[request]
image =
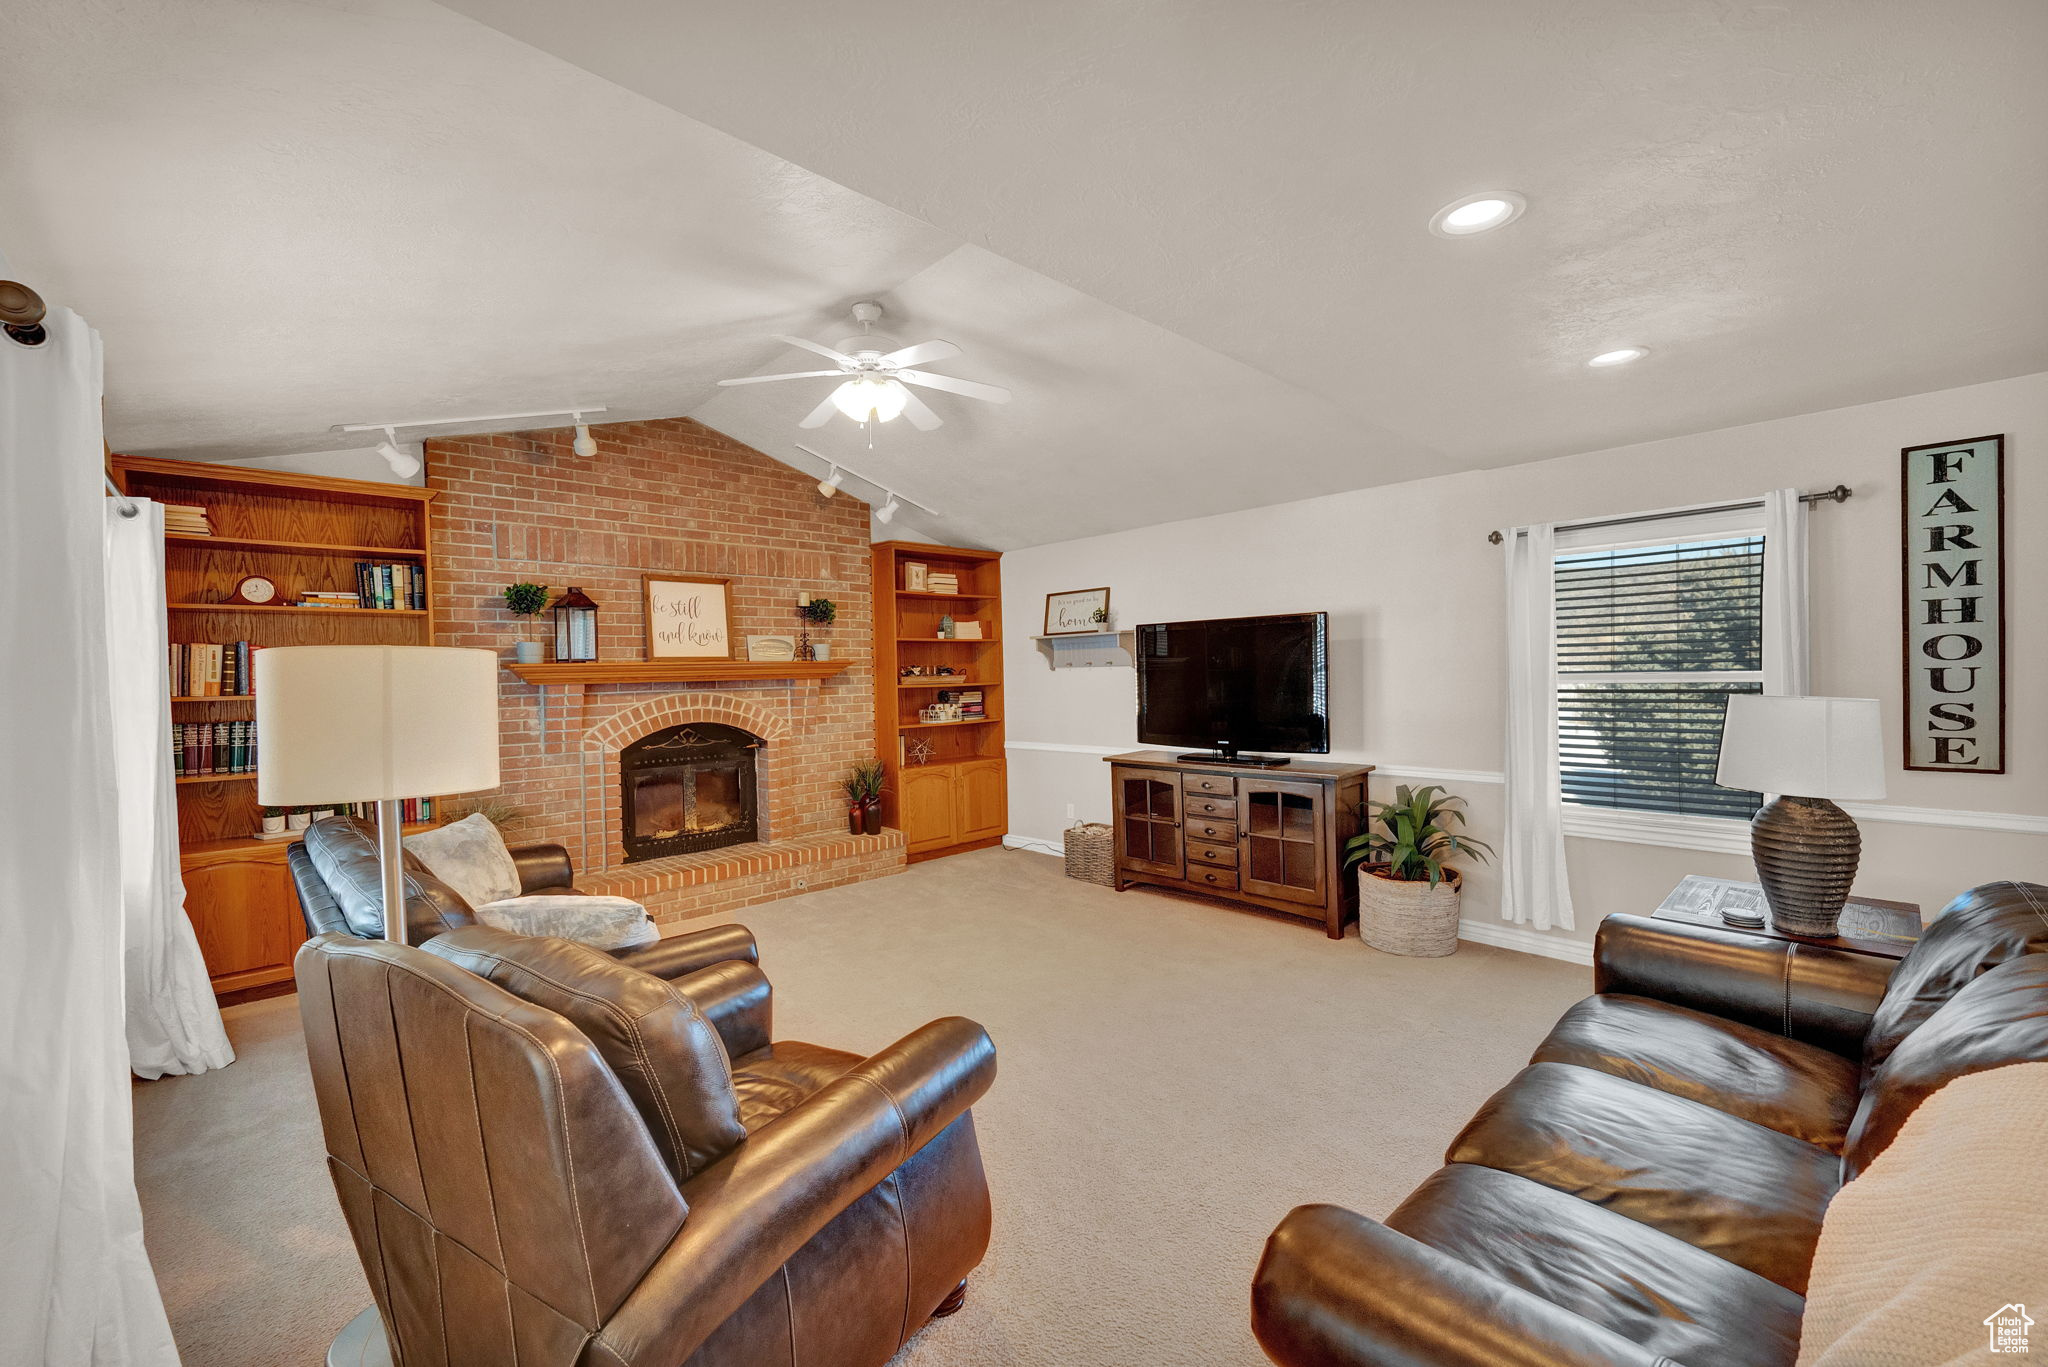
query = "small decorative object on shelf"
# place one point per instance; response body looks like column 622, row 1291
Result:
column 526, row 602
column 1407, row 896
column 819, row 611
column 914, row 576
column 256, row 590
column 946, row 627
column 1077, row 610
column 917, row 752
column 298, row 818
column 940, row 711
column 273, row 820
column 771, row 648
column 575, row 627
column 688, row 617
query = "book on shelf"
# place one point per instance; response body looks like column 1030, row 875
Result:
column 186, row 519
column 411, row 810
column 941, row 583
column 201, row 749
column 971, row 701
column 390, row 585
column 213, row 669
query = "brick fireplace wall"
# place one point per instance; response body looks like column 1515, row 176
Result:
column 670, row 496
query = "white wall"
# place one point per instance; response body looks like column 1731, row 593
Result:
column 355, row 463
column 1413, row 590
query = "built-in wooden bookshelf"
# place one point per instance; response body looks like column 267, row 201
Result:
column 304, row 533
column 957, row 797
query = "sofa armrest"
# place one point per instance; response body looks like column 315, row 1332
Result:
column 1336, row 1288
column 678, row 955
column 754, row 1208
column 1811, row 993
column 735, row 997
column 543, row 868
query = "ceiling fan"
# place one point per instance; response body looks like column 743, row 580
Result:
column 874, row 373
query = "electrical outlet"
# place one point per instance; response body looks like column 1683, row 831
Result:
column 803, row 882
column 1070, row 813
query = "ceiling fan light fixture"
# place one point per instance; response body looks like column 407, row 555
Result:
column 402, row 462
column 1479, row 213
column 870, row 397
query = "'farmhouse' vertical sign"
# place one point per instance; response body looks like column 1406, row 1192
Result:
column 1954, row 517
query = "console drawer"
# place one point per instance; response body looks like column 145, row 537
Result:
column 1225, row 807
column 1223, row 880
column 1221, row 856
column 1215, row 832
column 1218, row 784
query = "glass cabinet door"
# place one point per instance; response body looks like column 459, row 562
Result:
column 1148, row 821
column 1282, row 827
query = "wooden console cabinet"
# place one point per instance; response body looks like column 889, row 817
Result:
column 1273, row 838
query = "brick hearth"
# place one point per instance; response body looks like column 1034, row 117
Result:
column 675, row 497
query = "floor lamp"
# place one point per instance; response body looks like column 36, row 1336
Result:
column 375, row 724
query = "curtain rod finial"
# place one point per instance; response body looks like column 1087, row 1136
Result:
column 1493, row 537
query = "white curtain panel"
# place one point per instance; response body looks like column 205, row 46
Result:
column 1534, row 889
column 173, row 1023
column 75, row 1284
column 1785, row 655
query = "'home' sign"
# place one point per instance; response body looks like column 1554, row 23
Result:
column 1954, row 516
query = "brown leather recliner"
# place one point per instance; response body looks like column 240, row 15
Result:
column 549, row 1158
column 1649, row 1191
column 341, row 892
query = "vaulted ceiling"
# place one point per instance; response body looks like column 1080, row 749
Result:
column 1190, row 236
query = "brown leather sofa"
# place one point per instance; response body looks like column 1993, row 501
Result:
column 341, row 892
column 1649, row 1190
column 549, row 1158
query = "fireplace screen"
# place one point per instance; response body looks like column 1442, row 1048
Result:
column 687, row 788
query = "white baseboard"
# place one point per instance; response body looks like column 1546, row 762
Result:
column 1501, row 935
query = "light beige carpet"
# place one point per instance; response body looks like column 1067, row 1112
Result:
column 1174, row 1077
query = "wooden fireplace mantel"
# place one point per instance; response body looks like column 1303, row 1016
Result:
column 676, row 671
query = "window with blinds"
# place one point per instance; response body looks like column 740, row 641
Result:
column 1651, row 640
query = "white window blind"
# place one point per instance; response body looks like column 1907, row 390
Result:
column 1651, row 640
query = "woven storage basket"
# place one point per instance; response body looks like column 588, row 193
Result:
column 1091, row 854
column 1409, row 918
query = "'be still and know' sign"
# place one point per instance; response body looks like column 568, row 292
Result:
column 1955, row 606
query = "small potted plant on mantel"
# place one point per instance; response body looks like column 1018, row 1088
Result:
column 818, row 612
column 1407, row 893
column 863, row 785
column 526, row 602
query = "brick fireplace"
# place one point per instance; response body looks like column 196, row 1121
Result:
column 667, row 497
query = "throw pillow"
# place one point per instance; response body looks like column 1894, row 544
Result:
column 470, row 856
column 600, row 922
column 1934, row 1255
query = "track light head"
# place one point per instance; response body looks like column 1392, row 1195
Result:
column 402, row 462
column 830, row 485
column 585, row 445
column 887, row 512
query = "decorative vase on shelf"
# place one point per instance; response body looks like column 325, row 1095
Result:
column 821, row 650
column 298, row 821
column 273, row 824
column 527, row 652
column 856, row 818
column 871, row 816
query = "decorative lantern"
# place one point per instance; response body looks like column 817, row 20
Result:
column 575, row 627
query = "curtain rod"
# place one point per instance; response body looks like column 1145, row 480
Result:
column 128, row 506
column 1839, row 494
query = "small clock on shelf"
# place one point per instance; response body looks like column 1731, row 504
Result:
column 255, row 590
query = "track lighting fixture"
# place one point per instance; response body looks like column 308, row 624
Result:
column 892, row 502
column 830, row 485
column 585, row 444
column 402, row 462
column 887, row 512
column 405, row 465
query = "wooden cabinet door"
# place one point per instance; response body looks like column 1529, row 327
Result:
column 246, row 918
column 1281, row 827
column 1148, row 820
column 924, row 800
column 980, row 802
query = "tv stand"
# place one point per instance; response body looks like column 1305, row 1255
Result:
column 1197, row 823
column 1232, row 757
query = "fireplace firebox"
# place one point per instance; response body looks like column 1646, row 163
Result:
column 687, row 788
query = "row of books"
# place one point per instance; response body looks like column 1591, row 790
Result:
column 217, row 669
column 390, row 585
column 972, row 705
column 187, row 519
column 941, row 581
column 411, row 810
column 213, row 747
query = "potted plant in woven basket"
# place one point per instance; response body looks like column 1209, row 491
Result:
column 1407, row 895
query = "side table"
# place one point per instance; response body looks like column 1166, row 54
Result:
column 1884, row 930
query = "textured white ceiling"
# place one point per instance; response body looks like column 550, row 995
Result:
column 286, row 216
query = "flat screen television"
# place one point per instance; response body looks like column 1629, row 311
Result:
column 1236, row 684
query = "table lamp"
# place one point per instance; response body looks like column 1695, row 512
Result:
column 375, row 724
column 1807, row 751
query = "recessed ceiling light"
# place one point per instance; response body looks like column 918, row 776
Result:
column 1619, row 356
column 1478, row 214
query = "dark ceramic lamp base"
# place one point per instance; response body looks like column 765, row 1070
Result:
column 1806, row 850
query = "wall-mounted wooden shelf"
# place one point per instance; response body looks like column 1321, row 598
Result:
column 1088, row 649
column 218, row 778
column 675, row 671
column 294, row 607
column 948, row 681
column 251, row 543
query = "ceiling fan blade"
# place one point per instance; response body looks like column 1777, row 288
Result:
column 919, row 412
column 973, row 389
column 822, row 414
column 924, row 353
column 792, row 375
column 828, row 353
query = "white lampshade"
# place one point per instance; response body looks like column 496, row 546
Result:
column 871, row 395
column 1803, row 747
column 367, row 723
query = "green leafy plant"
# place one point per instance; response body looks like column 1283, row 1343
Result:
column 526, row 601
column 863, row 781
column 1411, row 835
column 819, row 610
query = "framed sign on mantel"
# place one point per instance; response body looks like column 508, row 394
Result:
column 688, row 618
column 1076, row 612
column 1953, row 516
